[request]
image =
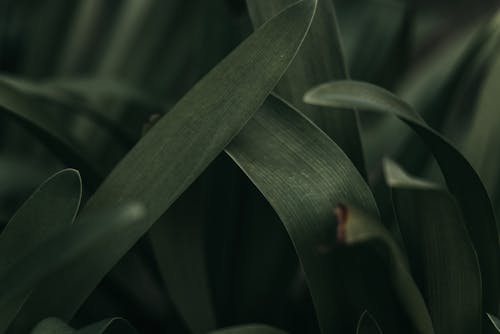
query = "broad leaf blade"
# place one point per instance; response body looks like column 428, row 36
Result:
column 303, row 174
column 181, row 145
column 462, row 180
column 52, row 326
column 320, row 59
column 441, row 254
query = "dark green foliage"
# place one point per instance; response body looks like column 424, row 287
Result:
column 231, row 181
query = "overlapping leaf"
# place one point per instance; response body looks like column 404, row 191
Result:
column 442, row 257
column 303, row 175
column 49, row 210
column 81, row 249
column 462, row 180
column 320, row 59
column 176, row 150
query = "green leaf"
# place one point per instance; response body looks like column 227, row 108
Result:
column 320, row 59
column 130, row 16
column 372, row 252
column 462, row 180
column 52, row 326
column 481, row 141
column 182, row 144
column 107, row 326
column 372, row 31
column 178, row 243
column 495, row 321
column 84, row 250
column 441, row 254
column 249, row 329
column 64, row 128
column 368, row 325
column 51, row 208
column 428, row 88
column 303, row 174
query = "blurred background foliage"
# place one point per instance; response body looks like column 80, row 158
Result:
column 92, row 57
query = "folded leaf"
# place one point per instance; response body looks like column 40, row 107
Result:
column 462, row 180
column 303, row 174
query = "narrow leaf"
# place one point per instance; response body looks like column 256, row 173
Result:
column 462, row 180
column 480, row 143
column 320, row 59
column 380, row 258
column 49, row 210
column 303, row 174
column 52, row 120
column 495, row 321
column 441, row 254
column 181, row 145
column 82, row 249
column 368, row 325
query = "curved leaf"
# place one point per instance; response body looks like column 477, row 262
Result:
column 368, row 325
column 303, row 174
column 49, row 210
column 82, row 250
column 495, row 321
column 441, row 254
column 183, row 142
column 66, row 129
column 320, row 59
column 380, row 262
column 52, row 326
column 108, row 326
column 462, row 180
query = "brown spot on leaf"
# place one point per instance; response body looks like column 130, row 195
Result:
column 341, row 213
